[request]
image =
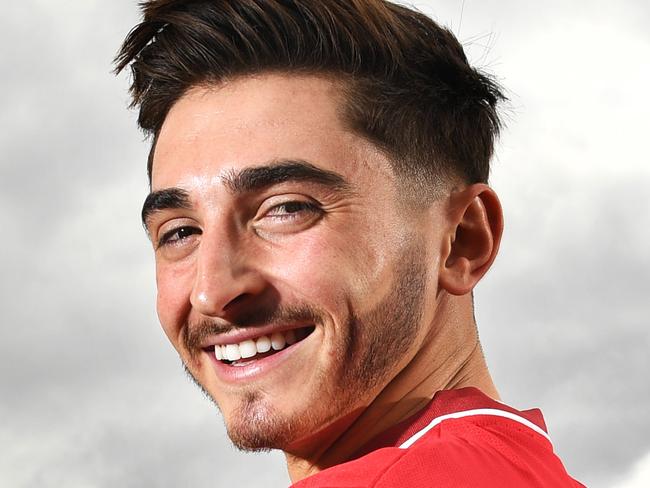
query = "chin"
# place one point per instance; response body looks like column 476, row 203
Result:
column 256, row 426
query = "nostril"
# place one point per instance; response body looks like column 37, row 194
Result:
column 237, row 300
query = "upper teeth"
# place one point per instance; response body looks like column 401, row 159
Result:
column 251, row 347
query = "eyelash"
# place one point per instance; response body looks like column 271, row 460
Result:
column 302, row 206
column 166, row 238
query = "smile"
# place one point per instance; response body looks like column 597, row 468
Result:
column 255, row 348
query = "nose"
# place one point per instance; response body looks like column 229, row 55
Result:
column 224, row 277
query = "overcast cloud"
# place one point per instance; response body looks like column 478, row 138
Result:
column 92, row 395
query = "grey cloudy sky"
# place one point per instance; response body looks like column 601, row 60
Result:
column 91, row 394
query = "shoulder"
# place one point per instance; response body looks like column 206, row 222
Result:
column 483, row 450
column 476, row 451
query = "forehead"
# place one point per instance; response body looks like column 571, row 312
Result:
column 213, row 130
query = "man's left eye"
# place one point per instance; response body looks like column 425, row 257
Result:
column 291, row 210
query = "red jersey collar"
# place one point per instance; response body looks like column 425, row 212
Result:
column 446, row 402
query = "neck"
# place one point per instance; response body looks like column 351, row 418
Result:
column 449, row 357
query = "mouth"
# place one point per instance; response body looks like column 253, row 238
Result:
column 253, row 349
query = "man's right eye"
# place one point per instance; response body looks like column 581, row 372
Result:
column 177, row 236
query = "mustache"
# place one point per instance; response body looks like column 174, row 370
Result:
column 195, row 332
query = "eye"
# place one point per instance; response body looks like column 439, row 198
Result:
column 291, row 210
column 283, row 215
column 177, row 236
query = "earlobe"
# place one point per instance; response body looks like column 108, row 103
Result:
column 476, row 226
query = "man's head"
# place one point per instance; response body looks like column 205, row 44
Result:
column 405, row 82
column 291, row 140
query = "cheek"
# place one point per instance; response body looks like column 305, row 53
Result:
column 173, row 300
column 306, row 267
column 330, row 268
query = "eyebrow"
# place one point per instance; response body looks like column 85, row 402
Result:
column 249, row 180
column 167, row 198
column 259, row 177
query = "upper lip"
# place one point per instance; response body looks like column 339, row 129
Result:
column 240, row 335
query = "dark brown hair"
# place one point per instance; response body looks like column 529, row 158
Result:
column 406, row 83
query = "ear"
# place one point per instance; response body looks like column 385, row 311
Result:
column 474, row 233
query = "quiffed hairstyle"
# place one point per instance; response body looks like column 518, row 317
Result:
column 406, row 84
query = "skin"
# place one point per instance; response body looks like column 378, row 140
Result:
column 386, row 287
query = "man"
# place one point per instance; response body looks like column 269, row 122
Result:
column 320, row 215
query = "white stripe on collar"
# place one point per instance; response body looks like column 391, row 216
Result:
column 470, row 413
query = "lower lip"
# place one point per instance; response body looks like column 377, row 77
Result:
column 253, row 370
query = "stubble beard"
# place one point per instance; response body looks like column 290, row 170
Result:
column 376, row 342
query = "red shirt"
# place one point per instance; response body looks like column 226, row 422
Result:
column 461, row 439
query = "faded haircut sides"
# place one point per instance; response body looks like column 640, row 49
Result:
column 406, row 84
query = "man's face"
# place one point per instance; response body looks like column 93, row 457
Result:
column 282, row 239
